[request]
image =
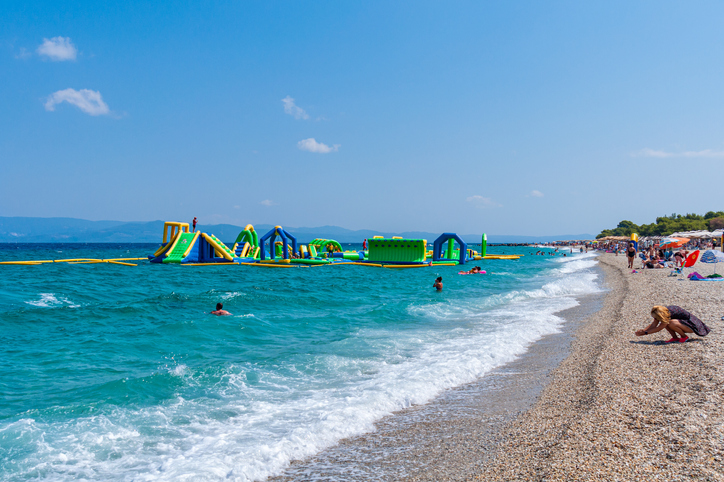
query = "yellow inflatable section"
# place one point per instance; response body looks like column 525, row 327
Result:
column 219, row 249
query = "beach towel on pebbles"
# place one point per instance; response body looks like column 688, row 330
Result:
column 697, row 277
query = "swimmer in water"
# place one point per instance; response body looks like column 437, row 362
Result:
column 220, row 311
column 438, row 283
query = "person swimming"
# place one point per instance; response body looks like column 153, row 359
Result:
column 438, row 283
column 220, row 311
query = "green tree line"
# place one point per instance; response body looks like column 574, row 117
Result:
column 666, row 225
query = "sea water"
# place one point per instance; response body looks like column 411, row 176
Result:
column 112, row 372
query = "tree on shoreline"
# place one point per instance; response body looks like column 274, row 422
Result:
column 666, row 225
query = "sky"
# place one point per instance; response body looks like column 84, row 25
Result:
column 526, row 117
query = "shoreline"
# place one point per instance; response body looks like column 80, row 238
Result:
column 615, row 407
column 455, row 435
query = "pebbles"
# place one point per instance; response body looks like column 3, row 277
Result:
column 622, row 407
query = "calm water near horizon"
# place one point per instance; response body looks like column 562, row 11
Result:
column 112, row 372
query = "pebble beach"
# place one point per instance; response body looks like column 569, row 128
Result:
column 622, row 407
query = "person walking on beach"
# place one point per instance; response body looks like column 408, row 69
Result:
column 194, row 223
column 631, row 254
column 438, row 283
column 220, row 311
column 677, row 321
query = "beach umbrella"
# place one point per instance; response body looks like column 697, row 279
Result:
column 673, row 242
column 711, row 256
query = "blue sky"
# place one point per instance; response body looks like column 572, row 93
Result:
column 532, row 117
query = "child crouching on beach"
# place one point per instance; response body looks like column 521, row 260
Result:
column 677, row 321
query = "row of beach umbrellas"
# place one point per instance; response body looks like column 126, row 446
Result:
column 672, row 242
column 698, row 234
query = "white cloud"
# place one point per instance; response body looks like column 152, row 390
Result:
column 268, row 203
column 23, row 54
column 89, row 101
column 293, row 110
column 481, row 202
column 536, row 193
column 663, row 154
column 312, row 145
column 58, row 49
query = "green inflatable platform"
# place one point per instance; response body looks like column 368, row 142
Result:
column 177, row 254
column 397, row 250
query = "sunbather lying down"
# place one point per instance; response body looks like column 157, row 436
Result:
column 677, row 321
column 653, row 263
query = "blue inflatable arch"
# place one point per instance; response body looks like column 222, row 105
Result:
column 271, row 236
column 444, row 237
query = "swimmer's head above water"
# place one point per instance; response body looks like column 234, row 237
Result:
column 438, row 283
column 220, row 310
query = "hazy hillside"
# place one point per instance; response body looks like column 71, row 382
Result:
column 70, row 230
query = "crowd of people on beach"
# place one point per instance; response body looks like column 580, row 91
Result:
column 653, row 258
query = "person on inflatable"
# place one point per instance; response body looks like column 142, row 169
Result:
column 677, row 321
column 473, row 270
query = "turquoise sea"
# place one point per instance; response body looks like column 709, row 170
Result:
column 113, row 372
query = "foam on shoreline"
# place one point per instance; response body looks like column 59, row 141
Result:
column 456, row 434
column 617, row 407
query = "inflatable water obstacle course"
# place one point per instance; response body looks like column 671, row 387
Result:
column 280, row 249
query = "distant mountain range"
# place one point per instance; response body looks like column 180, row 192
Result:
column 71, row 230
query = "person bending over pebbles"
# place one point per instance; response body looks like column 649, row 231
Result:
column 677, row 321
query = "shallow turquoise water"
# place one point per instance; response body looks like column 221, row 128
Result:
column 113, row 372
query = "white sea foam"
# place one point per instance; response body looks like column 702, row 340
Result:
column 231, row 295
column 248, row 431
column 179, row 370
column 50, row 300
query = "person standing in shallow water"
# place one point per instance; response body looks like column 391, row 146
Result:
column 438, row 283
